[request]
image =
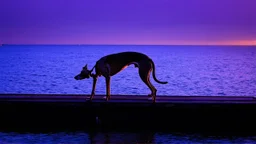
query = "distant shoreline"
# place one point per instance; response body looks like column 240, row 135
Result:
column 111, row 45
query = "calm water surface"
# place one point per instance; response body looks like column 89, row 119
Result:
column 190, row 70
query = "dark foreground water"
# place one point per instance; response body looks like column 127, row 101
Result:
column 119, row 138
column 190, row 70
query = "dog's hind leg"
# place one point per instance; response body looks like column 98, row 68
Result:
column 144, row 71
column 107, row 87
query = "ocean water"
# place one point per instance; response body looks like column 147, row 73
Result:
column 189, row 70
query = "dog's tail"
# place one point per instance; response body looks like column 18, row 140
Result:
column 154, row 73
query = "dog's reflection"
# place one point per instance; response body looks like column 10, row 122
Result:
column 121, row 138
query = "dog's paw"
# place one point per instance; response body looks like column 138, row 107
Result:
column 149, row 95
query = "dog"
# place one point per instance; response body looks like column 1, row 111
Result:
column 112, row 64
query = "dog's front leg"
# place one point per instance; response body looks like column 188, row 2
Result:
column 95, row 78
column 105, row 69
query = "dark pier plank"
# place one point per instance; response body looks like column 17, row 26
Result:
column 49, row 112
column 127, row 98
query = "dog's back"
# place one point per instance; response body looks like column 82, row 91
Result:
column 124, row 58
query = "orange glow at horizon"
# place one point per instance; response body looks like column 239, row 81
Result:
column 236, row 42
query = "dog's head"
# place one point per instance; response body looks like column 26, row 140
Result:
column 85, row 73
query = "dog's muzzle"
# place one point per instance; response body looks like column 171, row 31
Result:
column 77, row 77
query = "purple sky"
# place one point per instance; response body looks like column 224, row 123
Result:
column 128, row 21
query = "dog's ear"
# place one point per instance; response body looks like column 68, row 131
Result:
column 85, row 67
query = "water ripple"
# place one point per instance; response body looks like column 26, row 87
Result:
column 188, row 70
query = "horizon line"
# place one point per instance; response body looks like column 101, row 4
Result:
column 137, row 44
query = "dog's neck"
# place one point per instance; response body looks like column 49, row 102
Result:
column 91, row 74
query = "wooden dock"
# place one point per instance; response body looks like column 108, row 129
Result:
column 50, row 112
column 79, row 98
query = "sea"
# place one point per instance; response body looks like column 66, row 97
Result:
column 189, row 71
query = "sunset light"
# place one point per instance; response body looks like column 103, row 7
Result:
column 155, row 22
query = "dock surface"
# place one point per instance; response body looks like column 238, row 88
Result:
column 77, row 98
column 49, row 112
